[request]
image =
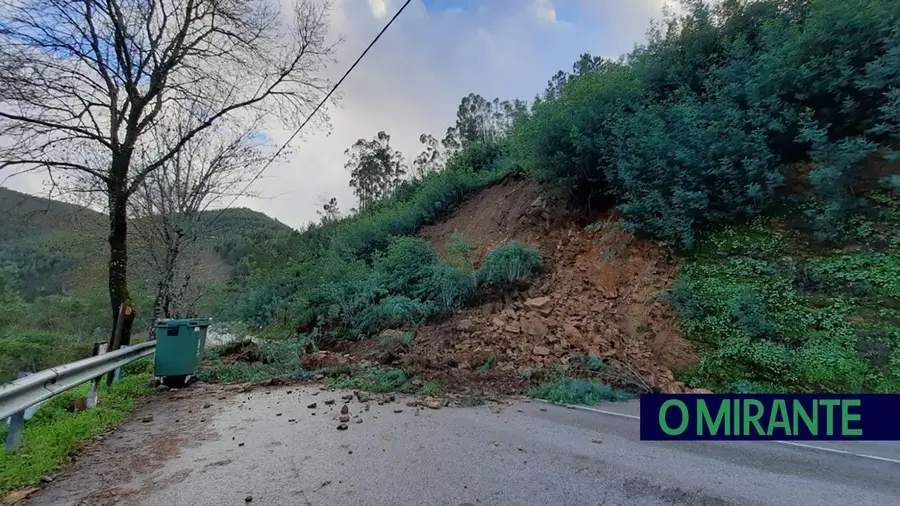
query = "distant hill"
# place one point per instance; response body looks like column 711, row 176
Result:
column 60, row 248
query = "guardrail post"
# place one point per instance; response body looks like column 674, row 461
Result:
column 16, row 422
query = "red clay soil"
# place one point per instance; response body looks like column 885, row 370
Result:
column 596, row 294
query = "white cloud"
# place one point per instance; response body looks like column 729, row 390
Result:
column 379, row 8
column 545, row 10
column 412, row 80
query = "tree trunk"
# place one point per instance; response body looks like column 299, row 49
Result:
column 118, row 236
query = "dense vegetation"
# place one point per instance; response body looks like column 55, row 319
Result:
column 785, row 111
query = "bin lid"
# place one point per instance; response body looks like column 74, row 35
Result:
column 189, row 322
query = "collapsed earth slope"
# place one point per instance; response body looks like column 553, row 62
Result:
column 596, row 294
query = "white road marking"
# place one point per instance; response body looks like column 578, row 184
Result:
column 834, row 450
column 789, row 443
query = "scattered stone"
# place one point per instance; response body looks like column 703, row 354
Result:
column 345, row 410
column 435, row 404
column 519, row 410
column 147, row 419
column 329, row 402
column 512, row 329
column 240, row 444
column 292, row 420
column 543, row 409
column 342, row 426
column 207, row 406
column 416, row 413
column 344, row 418
column 359, row 420
column 202, row 420
column 535, row 327
column 249, row 498
column 597, row 440
column 571, row 332
column 540, row 305
column 318, row 377
column 46, row 479
column 465, row 325
column 312, row 406
column 398, row 410
column 277, row 414
column 366, row 408
column 347, row 397
column 541, row 350
column 498, row 322
column 392, row 398
column 162, row 388
column 412, row 404
column 361, row 396
column 315, row 393
column 289, row 392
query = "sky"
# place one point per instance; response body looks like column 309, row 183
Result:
column 412, row 81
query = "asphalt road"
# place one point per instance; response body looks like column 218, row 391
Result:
column 240, row 448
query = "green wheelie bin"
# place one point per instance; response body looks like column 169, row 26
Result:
column 179, row 345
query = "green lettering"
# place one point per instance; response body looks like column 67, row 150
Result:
column 846, row 418
column 779, row 418
column 737, row 417
column 705, row 419
column 811, row 423
column 752, row 418
column 829, row 415
column 684, row 417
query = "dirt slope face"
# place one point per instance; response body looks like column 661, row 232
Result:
column 597, row 294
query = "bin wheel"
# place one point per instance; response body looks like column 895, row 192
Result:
column 175, row 381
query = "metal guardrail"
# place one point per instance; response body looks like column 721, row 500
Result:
column 23, row 393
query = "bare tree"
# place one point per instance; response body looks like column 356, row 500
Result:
column 167, row 209
column 87, row 86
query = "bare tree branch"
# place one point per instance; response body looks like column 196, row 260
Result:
column 114, row 91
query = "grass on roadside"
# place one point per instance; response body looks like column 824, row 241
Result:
column 53, row 434
column 578, row 391
column 372, row 380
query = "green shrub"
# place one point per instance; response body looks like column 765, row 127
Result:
column 576, row 391
column 404, row 339
column 448, row 288
column 509, row 264
column 694, row 129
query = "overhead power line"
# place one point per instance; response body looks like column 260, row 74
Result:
column 310, row 117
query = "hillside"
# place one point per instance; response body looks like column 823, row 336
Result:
column 58, row 248
column 717, row 209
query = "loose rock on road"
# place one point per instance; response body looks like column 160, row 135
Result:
column 523, row 454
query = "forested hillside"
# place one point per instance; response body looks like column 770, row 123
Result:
column 751, row 140
column 53, row 274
